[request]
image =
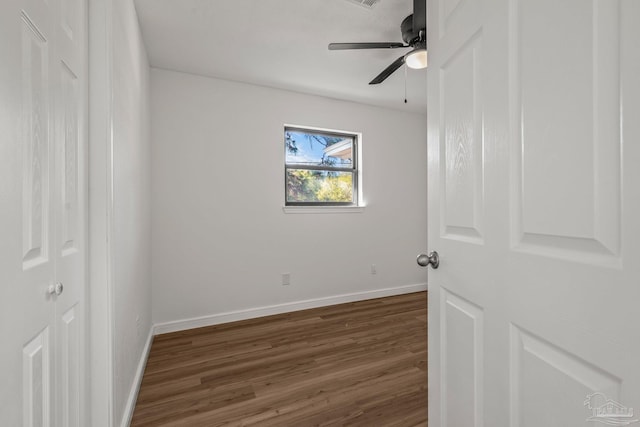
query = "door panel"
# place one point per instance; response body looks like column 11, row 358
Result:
column 69, row 211
column 36, row 381
column 543, row 375
column 568, row 118
column 462, row 353
column 35, row 172
column 70, row 369
column 533, row 207
column 461, row 137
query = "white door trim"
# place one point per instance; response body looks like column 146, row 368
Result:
column 101, row 216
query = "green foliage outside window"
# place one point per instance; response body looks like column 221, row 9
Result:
column 317, row 186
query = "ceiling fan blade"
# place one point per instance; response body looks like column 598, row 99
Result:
column 419, row 16
column 375, row 45
column 388, row 71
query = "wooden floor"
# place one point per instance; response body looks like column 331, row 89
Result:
column 356, row 364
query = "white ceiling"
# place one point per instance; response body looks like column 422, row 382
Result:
column 283, row 44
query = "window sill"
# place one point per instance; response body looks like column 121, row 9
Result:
column 322, row 209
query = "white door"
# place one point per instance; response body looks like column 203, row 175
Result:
column 43, row 212
column 534, row 208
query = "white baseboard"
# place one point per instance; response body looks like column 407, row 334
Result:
column 137, row 380
column 233, row 316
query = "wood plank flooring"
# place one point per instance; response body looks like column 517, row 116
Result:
column 356, row 364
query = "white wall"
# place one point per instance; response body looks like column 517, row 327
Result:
column 219, row 235
column 131, row 260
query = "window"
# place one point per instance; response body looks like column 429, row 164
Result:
column 321, row 167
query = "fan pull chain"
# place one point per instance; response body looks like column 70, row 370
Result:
column 405, row 83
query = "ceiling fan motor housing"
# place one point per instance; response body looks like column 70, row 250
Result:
column 413, row 39
column 406, row 28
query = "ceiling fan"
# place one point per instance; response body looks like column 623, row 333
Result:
column 414, row 35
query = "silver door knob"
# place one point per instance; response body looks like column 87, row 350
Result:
column 432, row 259
column 56, row 289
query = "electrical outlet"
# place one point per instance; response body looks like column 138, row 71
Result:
column 138, row 326
column 286, row 279
column 374, row 269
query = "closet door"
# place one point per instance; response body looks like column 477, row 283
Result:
column 43, row 215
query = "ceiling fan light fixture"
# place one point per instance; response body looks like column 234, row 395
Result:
column 416, row 59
